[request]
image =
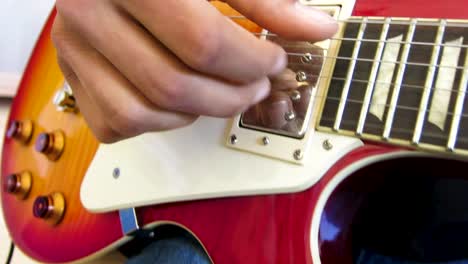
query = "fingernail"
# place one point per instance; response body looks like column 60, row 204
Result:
column 315, row 14
column 262, row 93
column 285, row 80
column 280, row 63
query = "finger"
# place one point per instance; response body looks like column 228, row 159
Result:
column 288, row 18
column 207, row 41
column 274, row 110
column 286, row 80
column 91, row 112
column 126, row 110
column 166, row 81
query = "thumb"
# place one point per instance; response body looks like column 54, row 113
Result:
column 288, row 18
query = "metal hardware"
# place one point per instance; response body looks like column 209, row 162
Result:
column 130, row 227
column 128, row 221
column 301, row 76
column 233, row 139
column 295, row 95
column 265, row 141
column 64, row 99
column 116, row 173
column 289, row 116
column 307, row 58
column 298, row 155
column 327, row 145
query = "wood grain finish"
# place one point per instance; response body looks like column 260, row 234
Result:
column 35, row 237
column 260, row 229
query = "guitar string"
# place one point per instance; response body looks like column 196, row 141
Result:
column 372, row 20
column 382, row 61
column 409, row 86
column 378, row 40
column 462, row 139
column 296, row 54
column 376, row 82
column 398, row 107
column 375, row 41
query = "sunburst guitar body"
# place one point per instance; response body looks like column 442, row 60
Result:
column 379, row 123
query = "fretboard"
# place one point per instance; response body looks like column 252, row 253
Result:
column 403, row 81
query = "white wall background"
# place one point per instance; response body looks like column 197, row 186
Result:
column 20, row 23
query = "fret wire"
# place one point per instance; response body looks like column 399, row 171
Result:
column 380, row 61
column 454, row 127
column 372, row 78
column 399, row 79
column 349, row 75
column 429, row 82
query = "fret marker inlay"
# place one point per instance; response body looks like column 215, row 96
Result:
column 458, row 112
column 384, row 79
column 399, row 80
column 445, row 80
column 428, row 84
column 372, row 77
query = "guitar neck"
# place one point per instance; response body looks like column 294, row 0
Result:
column 401, row 81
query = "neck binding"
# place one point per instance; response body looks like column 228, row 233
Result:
column 401, row 81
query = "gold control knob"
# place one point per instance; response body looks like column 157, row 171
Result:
column 50, row 208
column 18, row 184
column 51, row 144
column 20, row 130
column 65, row 101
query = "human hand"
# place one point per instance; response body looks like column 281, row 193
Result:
column 150, row 65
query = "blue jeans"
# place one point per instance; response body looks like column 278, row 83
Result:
column 177, row 250
column 182, row 250
column 369, row 257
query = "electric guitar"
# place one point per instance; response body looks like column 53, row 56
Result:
column 371, row 134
